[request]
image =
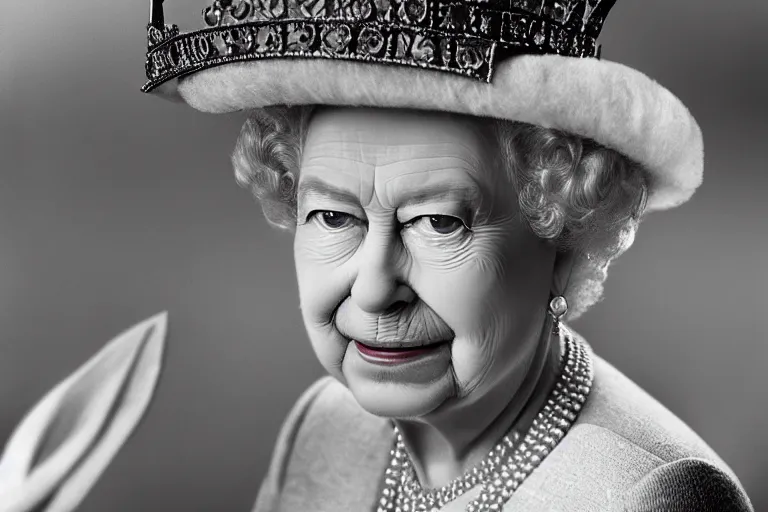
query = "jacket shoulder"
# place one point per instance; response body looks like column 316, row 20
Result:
column 329, row 455
column 619, row 405
column 624, row 449
column 678, row 462
column 686, row 484
column 273, row 483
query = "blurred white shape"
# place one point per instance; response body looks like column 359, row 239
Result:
column 68, row 438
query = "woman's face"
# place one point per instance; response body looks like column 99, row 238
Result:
column 420, row 285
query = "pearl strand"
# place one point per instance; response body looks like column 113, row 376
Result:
column 510, row 462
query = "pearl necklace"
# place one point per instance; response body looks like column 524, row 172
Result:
column 510, row 462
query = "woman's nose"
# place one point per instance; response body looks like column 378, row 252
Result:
column 379, row 282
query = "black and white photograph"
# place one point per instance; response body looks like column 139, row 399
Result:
column 384, row 256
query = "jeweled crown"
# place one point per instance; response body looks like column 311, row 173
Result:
column 460, row 37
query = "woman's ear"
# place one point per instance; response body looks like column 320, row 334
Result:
column 564, row 261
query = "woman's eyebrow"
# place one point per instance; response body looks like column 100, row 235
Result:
column 316, row 186
column 469, row 194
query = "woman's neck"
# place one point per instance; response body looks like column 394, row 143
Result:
column 447, row 444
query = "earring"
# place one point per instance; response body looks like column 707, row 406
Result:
column 558, row 307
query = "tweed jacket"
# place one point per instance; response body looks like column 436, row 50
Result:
column 625, row 452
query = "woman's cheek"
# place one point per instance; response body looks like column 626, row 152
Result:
column 315, row 247
column 438, row 255
column 323, row 276
column 463, row 282
column 457, row 266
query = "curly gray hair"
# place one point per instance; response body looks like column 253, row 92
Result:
column 584, row 197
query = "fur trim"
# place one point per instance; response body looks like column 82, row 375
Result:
column 612, row 104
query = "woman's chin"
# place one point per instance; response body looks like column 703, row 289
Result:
column 391, row 400
column 399, row 389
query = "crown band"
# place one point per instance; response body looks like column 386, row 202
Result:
column 463, row 38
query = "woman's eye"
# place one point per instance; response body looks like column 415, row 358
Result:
column 333, row 220
column 442, row 224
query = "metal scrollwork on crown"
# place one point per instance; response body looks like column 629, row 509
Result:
column 460, row 37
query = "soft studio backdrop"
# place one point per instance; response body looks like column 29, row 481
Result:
column 115, row 205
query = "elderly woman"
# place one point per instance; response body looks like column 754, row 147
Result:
column 436, row 255
column 457, row 176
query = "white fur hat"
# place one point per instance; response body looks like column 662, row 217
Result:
column 533, row 61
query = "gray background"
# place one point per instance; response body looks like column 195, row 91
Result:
column 115, row 205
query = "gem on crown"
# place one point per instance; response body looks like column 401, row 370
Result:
column 460, row 37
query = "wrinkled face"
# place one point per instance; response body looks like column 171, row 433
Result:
column 420, row 286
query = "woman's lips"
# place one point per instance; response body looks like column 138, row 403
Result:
column 393, row 355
